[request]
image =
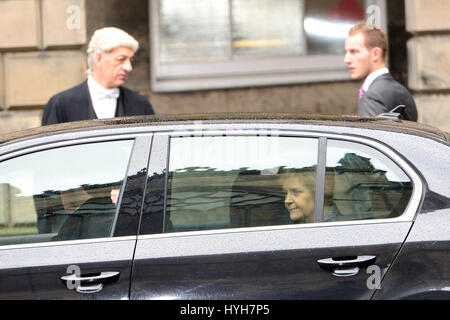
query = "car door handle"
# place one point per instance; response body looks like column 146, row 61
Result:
column 346, row 266
column 90, row 283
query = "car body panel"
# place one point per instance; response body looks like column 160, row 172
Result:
column 422, row 268
column 261, row 264
column 248, row 263
column 35, row 271
column 271, row 263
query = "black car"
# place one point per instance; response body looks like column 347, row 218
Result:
column 226, row 206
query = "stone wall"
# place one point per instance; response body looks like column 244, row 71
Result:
column 429, row 59
column 40, row 54
column 42, row 51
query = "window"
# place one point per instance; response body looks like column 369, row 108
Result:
column 232, row 181
column 249, row 181
column 206, row 44
column 65, row 193
column 363, row 183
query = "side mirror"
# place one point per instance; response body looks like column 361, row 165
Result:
column 394, row 114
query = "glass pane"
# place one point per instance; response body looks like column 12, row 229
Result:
column 194, row 30
column 362, row 183
column 267, row 27
column 223, row 30
column 61, row 194
column 327, row 23
column 232, row 182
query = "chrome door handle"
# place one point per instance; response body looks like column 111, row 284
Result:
column 346, row 266
column 89, row 289
column 90, row 283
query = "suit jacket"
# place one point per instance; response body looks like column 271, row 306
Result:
column 75, row 104
column 383, row 95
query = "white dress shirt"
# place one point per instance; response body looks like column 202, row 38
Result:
column 371, row 78
column 104, row 100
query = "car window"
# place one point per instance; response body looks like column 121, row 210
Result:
column 236, row 181
column 246, row 181
column 65, row 193
column 362, row 183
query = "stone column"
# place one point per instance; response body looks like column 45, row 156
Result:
column 429, row 59
column 41, row 53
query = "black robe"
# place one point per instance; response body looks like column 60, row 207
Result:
column 75, row 104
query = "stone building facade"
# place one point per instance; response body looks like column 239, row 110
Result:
column 43, row 42
column 40, row 54
column 429, row 59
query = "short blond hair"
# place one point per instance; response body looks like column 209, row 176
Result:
column 105, row 40
column 373, row 37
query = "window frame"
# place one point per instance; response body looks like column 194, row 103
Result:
column 408, row 215
column 246, row 72
column 140, row 141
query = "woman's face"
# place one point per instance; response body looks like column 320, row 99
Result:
column 299, row 200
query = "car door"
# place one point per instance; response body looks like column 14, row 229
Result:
column 69, row 213
column 219, row 221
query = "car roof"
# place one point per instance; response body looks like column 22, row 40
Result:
column 373, row 123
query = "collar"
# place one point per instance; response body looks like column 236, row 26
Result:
column 371, row 77
column 99, row 91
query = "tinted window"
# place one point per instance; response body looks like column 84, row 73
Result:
column 233, row 182
column 62, row 194
column 230, row 182
column 362, row 183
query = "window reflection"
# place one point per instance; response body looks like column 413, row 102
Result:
column 223, row 30
column 214, row 30
column 62, row 193
column 327, row 23
column 232, row 182
column 194, row 30
column 364, row 183
column 235, row 182
column 209, row 44
column 267, row 27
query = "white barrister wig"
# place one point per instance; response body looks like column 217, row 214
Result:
column 106, row 39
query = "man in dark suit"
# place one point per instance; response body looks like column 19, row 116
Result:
column 366, row 49
column 102, row 95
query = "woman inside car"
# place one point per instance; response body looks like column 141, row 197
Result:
column 299, row 188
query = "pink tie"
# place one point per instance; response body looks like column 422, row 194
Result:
column 361, row 93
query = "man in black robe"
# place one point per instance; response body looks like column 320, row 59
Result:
column 102, row 95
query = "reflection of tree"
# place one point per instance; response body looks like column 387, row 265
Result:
column 354, row 162
column 357, row 170
column 132, row 196
column 362, row 189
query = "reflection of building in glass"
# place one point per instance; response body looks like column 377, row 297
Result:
column 205, row 198
column 362, row 191
column 44, row 212
column 15, row 210
column 327, row 24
